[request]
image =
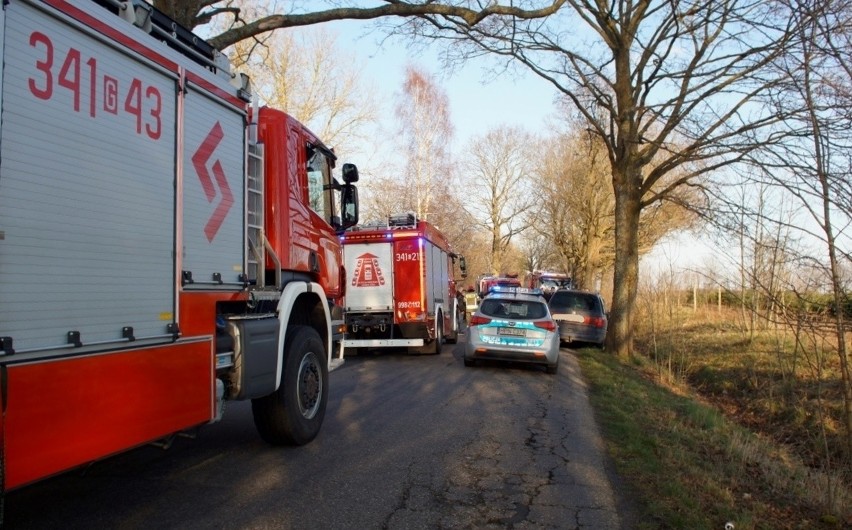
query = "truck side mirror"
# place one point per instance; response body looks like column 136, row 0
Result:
column 349, row 204
column 463, row 267
column 350, row 173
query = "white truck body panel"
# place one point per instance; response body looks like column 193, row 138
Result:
column 106, row 242
column 370, row 276
column 212, row 184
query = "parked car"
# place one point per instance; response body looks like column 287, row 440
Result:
column 581, row 316
column 513, row 325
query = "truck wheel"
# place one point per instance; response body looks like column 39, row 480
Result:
column 435, row 346
column 432, row 347
column 453, row 337
column 293, row 414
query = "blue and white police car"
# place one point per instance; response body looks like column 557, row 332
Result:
column 513, row 324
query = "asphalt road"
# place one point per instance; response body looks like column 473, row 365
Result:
column 408, row 442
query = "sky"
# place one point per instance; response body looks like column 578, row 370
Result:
column 477, row 101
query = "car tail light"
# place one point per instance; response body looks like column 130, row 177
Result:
column 597, row 322
column 549, row 325
column 477, row 320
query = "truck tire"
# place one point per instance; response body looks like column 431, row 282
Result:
column 435, row 345
column 453, row 337
column 432, row 347
column 293, row 414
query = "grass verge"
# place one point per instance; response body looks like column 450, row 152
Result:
column 688, row 466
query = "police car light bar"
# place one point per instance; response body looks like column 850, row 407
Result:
column 515, row 290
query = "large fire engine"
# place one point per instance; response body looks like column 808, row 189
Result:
column 401, row 289
column 164, row 246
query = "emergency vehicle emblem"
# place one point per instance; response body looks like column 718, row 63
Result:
column 367, row 271
column 199, row 161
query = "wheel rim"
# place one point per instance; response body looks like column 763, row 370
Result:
column 310, row 386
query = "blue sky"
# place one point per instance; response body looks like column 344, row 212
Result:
column 477, row 101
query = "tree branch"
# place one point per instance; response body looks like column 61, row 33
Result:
column 466, row 16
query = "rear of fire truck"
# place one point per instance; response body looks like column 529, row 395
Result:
column 401, row 287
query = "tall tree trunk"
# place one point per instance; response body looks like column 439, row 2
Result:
column 626, row 272
column 496, row 251
column 591, row 259
column 627, row 185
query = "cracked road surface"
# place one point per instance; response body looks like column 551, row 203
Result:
column 408, row 442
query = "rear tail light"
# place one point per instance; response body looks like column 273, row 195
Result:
column 549, row 325
column 477, row 320
column 597, row 322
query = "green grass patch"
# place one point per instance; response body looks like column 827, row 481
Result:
column 690, row 466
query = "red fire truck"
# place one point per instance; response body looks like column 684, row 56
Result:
column 401, row 289
column 486, row 283
column 164, row 246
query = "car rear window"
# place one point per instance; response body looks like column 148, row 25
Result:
column 574, row 301
column 519, row 309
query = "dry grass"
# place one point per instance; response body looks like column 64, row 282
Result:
column 782, row 385
column 787, row 476
column 790, row 392
column 688, row 465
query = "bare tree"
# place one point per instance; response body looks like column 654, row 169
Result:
column 384, row 195
column 496, row 180
column 577, row 213
column 459, row 227
column 426, row 132
column 538, row 251
column 675, row 83
column 427, row 184
column 577, row 208
column 309, row 76
column 388, row 195
column 812, row 163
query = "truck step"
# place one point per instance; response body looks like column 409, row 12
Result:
column 335, row 364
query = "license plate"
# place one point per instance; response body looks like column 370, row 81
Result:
column 568, row 317
column 514, row 332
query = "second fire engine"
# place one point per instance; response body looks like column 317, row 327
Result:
column 400, row 286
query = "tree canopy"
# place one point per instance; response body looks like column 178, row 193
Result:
column 673, row 90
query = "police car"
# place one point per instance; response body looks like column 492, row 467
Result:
column 513, row 324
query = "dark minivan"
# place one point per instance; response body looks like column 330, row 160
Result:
column 580, row 315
